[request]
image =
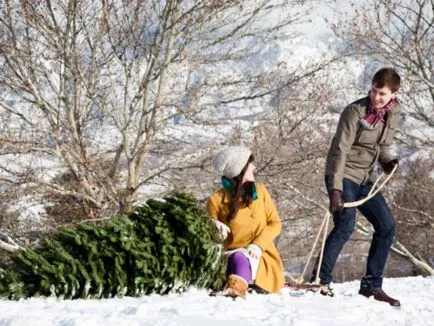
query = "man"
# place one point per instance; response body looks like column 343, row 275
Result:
column 364, row 133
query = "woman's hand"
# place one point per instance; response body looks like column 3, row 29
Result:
column 254, row 251
column 222, row 228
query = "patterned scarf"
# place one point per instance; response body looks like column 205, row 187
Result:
column 371, row 119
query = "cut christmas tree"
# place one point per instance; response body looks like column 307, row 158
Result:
column 163, row 246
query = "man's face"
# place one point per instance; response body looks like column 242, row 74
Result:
column 380, row 97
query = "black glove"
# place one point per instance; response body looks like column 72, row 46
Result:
column 336, row 201
column 388, row 167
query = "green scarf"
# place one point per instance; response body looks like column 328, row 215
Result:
column 227, row 184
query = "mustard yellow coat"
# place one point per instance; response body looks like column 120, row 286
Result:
column 259, row 223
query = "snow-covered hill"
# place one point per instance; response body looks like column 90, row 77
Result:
column 196, row 307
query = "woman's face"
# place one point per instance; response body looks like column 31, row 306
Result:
column 248, row 176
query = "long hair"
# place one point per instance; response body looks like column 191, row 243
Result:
column 241, row 190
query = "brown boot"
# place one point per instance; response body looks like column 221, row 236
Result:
column 236, row 286
column 380, row 295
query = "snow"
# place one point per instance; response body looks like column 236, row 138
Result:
column 196, row 307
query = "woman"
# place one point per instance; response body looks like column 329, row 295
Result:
column 246, row 211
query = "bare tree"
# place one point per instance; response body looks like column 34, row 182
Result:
column 290, row 146
column 413, row 208
column 401, row 34
column 92, row 90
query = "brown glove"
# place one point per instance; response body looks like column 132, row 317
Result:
column 336, row 201
column 388, row 167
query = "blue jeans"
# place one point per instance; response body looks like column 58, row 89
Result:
column 378, row 214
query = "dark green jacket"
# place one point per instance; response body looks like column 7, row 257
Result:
column 355, row 149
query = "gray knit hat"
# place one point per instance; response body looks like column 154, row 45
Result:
column 230, row 161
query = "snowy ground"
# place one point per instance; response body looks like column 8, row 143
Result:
column 195, row 307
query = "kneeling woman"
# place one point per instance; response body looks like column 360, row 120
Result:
column 245, row 213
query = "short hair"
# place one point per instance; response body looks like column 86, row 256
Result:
column 387, row 77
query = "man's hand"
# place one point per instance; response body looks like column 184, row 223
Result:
column 254, row 251
column 388, row 167
column 336, row 201
column 223, row 229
